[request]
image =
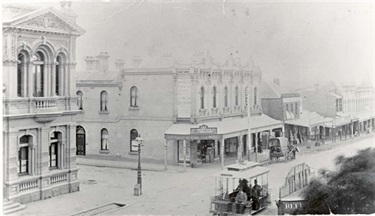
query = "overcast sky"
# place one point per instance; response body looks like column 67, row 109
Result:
column 300, row 42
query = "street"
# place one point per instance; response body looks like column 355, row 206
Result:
column 170, row 192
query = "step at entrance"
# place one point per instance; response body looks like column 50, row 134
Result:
column 11, row 207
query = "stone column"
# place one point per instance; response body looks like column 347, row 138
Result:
column 43, row 141
column 222, row 142
column 54, row 76
column 216, row 151
column 30, row 79
column 46, row 80
column 240, row 149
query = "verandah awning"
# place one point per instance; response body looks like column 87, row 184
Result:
column 262, row 122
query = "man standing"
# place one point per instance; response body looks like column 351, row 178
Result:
column 256, row 193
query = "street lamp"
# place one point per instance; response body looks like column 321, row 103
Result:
column 138, row 186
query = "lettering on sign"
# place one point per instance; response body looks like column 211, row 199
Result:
column 293, row 205
column 203, row 129
column 184, row 97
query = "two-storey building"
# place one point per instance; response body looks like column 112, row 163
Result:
column 183, row 109
column 39, row 102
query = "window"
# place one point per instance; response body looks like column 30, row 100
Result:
column 21, row 74
column 134, row 96
column 214, row 97
column 58, row 75
column 79, row 100
column 255, row 96
column 53, row 150
column 202, row 98
column 236, row 96
column 133, row 142
column 296, row 108
column 23, row 155
column 287, row 107
column 104, row 139
column 39, row 74
column 226, row 96
column 292, row 108
column 103, row 101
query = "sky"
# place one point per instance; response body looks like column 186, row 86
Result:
column 300, row 42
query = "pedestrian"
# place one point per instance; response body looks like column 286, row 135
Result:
column 241, row 200
column 256, row 193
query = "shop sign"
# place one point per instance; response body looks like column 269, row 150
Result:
column 203, row 129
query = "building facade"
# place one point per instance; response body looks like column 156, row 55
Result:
column 164, row 100
column 39, row 102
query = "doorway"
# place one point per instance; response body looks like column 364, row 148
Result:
column 80, row 141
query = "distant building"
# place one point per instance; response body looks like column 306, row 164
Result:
column 300, row 125
column 40, row 102
column 351, row 106
column 198, row 105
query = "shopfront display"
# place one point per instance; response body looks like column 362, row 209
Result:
column 181, row 151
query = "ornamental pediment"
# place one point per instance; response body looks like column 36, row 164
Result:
column 47, row 21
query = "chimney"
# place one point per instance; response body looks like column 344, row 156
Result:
column 119, row 64
column 103, row 61
column 91, row 63
column 276, row 81
column 137, row 60
column 67, row 10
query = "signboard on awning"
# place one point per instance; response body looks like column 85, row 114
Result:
column 203, row 129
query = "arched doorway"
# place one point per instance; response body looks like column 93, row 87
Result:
column 80, row 141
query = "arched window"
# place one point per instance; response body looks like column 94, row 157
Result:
column 236, row 96
column 214, row 97
column 21, row 75
column 80, row 141
column 104, row 139
column 134, row 96
column 54, row 150
column 80, row 100
column 255, row 96
column 202, row 97
column 23, row 155
column 226, row 96
column 103, row 101
column 39, row 74
column 58, row 76
column 133, row 142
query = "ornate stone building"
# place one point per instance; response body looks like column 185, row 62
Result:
column 163, row 99
column 39, row 102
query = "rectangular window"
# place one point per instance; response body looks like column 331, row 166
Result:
column 23, row 160
column 53, row 155
column 181, row 151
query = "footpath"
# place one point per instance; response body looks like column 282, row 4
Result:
column 263, row 158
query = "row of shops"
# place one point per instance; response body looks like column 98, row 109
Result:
column 215, row 141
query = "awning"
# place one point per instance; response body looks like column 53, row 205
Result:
column 310, row 119
column 262, row 122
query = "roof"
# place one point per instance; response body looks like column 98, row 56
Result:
column 271, row 90
column 26, row 17
column 246, row 174
column 309, row 119
column 295, row 196
column 227, row 126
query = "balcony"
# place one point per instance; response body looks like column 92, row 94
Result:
column 38, row 105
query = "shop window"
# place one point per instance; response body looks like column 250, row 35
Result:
column 133, row 142
column 23, row 155
column 80, row 100
column 133, row 96
column 236, row 96
column 202, row 98
column 181, row 151
column 104, row 139
column 103, row 101
column 214, row 97
column 226, row 97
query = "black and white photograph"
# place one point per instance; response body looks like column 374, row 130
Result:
column 188, row 107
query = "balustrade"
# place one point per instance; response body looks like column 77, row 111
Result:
column 44, row 103
column 58, row 178
column 26, row 186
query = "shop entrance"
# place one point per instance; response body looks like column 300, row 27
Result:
column 205, row 151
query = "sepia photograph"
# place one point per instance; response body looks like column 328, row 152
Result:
column 188, row 107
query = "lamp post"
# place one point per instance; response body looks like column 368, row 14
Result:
column 138, row 186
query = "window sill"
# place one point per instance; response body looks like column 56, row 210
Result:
column 52, row 168
column 134, row 108
column 133, row 153
column 106, row 112
column 104, row 151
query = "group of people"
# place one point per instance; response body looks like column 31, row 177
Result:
column 245, row 193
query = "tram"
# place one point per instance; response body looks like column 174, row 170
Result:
column 248, row 178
